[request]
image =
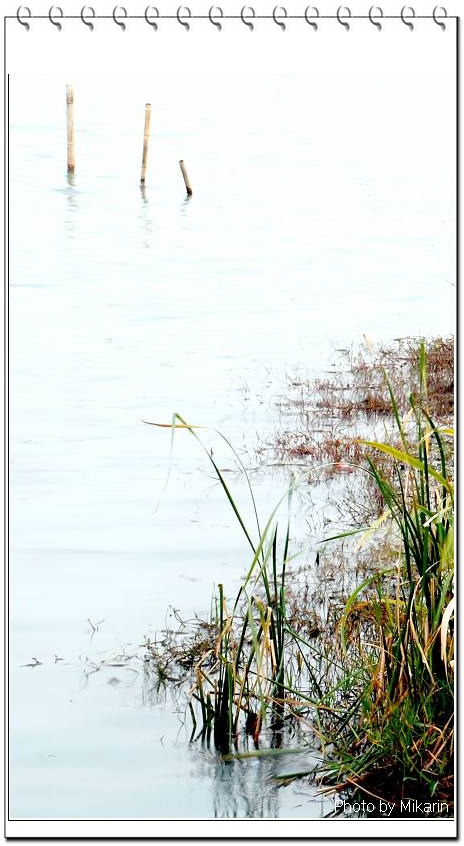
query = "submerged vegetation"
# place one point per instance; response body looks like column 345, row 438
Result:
column 365, row 674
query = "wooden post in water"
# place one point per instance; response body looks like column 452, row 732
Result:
column 146, row 133
column 186, row 179
column 70, row 127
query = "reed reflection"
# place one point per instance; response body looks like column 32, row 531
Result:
column 244, row 789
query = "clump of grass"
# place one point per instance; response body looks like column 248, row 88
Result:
column 246, row 674
column 371, row 673
column 402, row 739
column 177, row 649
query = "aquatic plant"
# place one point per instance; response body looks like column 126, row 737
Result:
column 403, row 739
column 375, row 679
column 254, row 656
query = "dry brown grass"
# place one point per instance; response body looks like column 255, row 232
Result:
column 356, row 387
column 329, row 417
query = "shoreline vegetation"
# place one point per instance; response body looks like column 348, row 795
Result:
column 350, row 654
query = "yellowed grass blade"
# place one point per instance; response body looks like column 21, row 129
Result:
column 447, row 614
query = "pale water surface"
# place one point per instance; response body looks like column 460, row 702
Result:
column 323, row 209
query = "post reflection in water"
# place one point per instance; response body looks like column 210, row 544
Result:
column 72, row 206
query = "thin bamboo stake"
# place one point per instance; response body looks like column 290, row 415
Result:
column 186, row 179
column 70, row 127
column 146, row 133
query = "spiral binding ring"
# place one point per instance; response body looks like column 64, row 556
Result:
column 434, row 16
column 343, row 23
column 152, row 23
column 24, row 23
column 88, row 23
column 120, row 23
column 184, row 23
column 373, row 22
column 274, row 15
column 413, row 15
column 312, row 23
column 248, row 23
column 210, row 15
column 56, row 14
column 56, row 23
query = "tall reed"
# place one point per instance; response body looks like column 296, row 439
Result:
column 253, row 646
column 405, row 722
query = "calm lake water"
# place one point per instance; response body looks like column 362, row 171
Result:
column 323, row 208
